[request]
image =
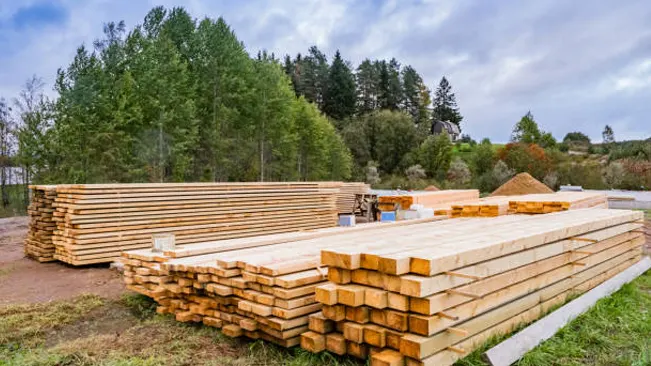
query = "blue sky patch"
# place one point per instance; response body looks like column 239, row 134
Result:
column 38, row 15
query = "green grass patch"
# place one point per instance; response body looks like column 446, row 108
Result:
column 616, row 331
column 91, row 331
column 25, row 325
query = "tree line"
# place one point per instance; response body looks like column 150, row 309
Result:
column 180, row 99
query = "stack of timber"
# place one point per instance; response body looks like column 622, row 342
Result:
column 559, row 201
column 445, row 289
column 94, row 223
column 38, row 244
column 428, row 199
column 261, row 287
column 348, row 191
column 484, row 207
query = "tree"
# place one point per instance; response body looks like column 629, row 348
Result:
column 435, row 155
column 6, row 126
column 176, row 99
column 34, row 111
column 608, row 135
column 367, row 80
column 483, row 157
column 576, row 137
column 526, row 130
column 445, row 104
column 416, row 96
column 339, row 98
column 383, row 136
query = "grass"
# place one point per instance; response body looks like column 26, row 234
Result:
column 89, row 330
column 616, row 331
column 92, row 331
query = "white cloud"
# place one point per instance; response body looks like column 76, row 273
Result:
column 563, row 60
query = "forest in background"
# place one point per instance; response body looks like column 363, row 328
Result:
column 180, row 99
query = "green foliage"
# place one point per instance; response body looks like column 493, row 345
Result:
column 483, row 158
column 526, row 157
column 339, row 99
column 527, row 131
column 576, row 137
column 435, row 155
column 445, row 103
column 386, row 137
column 608, row 135
column 176, row 99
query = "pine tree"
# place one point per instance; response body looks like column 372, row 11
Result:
column 367, row 80
column 445, row 104
column 608, row 135
column 339, row 99
column 395, row 90
column 416, row 95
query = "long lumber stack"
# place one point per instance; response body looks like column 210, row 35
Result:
column 260, row 287
column 430, row 294
column 348, row 191
column 38, row 244
column 94, row 223
column 559, row 201
column 427, row 199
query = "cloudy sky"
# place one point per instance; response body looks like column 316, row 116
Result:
column 577, row 65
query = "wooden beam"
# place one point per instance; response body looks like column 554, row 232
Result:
column 514, row 348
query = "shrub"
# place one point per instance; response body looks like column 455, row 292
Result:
column 459, row 174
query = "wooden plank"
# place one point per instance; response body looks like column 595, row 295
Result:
column 512, row 349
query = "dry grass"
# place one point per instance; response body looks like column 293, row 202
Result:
column 92, row 331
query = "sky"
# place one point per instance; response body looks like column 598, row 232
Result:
column 576, row 65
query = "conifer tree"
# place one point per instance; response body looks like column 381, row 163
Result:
column 340, row 95
column 445, row 104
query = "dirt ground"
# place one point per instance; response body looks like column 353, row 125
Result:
column 23, row 280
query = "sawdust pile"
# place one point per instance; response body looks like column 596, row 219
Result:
column 522, row 183
column 432, row 188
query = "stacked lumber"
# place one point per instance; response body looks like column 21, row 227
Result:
column 484, row 207
column 348, row 191
column 94, row 223
column 38, row 244
column 261, row 287
column 559, row 201
column 445, row 289
column 428, row 199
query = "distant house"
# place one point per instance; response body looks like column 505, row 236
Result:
column 451, row 128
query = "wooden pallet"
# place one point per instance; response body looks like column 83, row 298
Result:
column 432, row 300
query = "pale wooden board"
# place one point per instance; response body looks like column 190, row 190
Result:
column 512, row 349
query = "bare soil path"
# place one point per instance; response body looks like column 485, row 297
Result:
column 23, row 280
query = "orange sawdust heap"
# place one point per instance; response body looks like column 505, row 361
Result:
column 522, row 183
column 432, row 188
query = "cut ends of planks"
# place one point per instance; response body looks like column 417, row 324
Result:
column 512, row 349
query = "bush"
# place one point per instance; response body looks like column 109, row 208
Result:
column 459, row 174
column 529, row 158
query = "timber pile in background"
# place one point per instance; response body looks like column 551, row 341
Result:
column 95, row 222
column 431, row 294
column 261, row 287
column 38, row 244
column 428, row 199
column 347, row 194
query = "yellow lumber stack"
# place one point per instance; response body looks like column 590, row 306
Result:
column 38, row 244
column 427, row 199
column 260, row 287
column 559, row 201
column 94, row 223
column 346, row 196
column 484, row 207
column 431, row 293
